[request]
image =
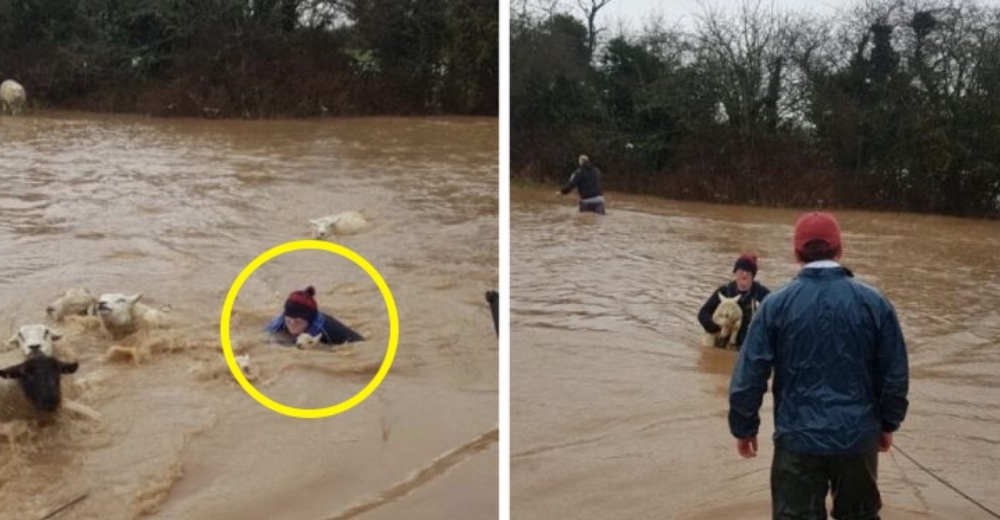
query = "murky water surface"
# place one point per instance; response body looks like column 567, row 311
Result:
column 174, row 210
column 617, row 412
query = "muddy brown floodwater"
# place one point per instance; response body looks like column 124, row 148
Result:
column 174, row 209
column 618, row 412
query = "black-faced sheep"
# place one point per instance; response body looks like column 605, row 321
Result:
column 38, row 389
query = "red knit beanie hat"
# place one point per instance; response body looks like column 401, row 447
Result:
column 817, row 226
column 747, row 262
column 301, row 304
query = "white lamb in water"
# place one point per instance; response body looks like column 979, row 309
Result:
column 12, row 97
column 346, row 223
column 74, row 302
column 305, row 341
column 122, row 315
column 728, row 316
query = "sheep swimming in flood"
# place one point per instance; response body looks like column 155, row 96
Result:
column 32, row 388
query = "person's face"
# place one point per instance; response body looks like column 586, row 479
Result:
column 744, row 279
column 296, row 326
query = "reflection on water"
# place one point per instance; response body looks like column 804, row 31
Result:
column 617, row 412
column 175, row 209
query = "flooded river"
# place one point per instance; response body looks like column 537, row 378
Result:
column 618, row 412
column 174, row 209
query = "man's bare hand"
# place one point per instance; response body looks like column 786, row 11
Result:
column 747, row 448
column 885, row 442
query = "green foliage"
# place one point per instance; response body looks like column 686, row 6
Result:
column 252, row 58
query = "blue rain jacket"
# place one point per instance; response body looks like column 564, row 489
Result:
column 333, row 331
column 839, row 362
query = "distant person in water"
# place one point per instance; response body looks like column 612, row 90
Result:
column 587, row 181
column 301, row 314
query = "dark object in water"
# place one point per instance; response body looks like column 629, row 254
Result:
column 38, row 377
column 494, row 298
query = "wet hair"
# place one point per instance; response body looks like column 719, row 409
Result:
column 39, row 376
column 816, row 250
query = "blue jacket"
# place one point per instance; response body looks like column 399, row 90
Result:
column 333, row 331
column 839, row 362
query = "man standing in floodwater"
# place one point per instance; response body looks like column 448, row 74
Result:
column 587, row 181
column 840, row 382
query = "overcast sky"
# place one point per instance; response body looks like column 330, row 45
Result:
column 634, row 12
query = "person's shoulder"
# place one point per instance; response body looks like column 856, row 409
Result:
column 867, row 289
column 776, row 295
column 328, row 318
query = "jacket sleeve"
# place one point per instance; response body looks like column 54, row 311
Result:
column 276, row 324
column 891, row 371
column 337, row 333
column 705, row 314
column 749, row 381
column 574, row 179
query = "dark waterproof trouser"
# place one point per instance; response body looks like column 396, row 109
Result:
column 596, row 207
column 799, row 484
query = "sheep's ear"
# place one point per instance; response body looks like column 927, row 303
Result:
column 13, row 372
column 134, row 298
column 317, row 336
column 314, row 222
column 68, row 368
column 721, row 297
column 12, row 340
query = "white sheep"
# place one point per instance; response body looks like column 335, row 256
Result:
column 12, row 97
column 122, row 314
column 32, row 339
column 74, row 302
column 346, row 223
column 729, row 317
column 305, row 341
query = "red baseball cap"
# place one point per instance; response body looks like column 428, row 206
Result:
column 817, row 226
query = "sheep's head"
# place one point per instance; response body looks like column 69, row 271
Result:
column 39, row 379
column 728, row 313
column 73, row 302
column 34, row 339
column 305, row 341
column 321, row 227
column 117, row 307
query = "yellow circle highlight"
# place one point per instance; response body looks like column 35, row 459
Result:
column 390, row 305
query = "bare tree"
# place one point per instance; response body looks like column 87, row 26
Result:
column 590, row 9
column 746, row 54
